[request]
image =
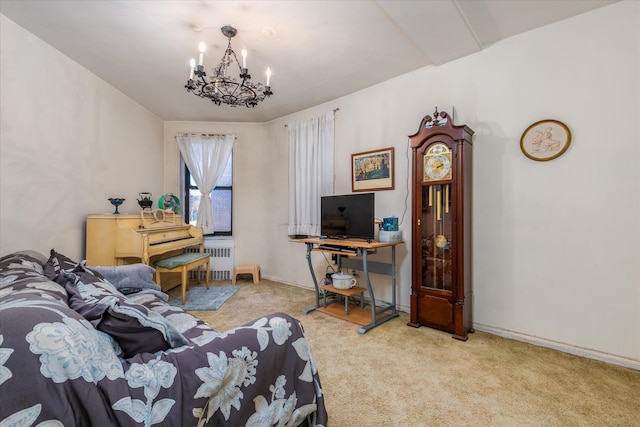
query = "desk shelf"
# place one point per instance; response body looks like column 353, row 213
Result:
column 359, row 316
column 355, row 252
column 346, row 292
column 367, row 318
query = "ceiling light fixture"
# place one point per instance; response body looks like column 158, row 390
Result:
column 220, row 87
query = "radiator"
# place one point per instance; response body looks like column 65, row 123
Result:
column 221, row 261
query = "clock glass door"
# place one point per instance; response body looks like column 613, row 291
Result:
column 436, row 222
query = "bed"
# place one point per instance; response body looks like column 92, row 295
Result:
column 75, row 351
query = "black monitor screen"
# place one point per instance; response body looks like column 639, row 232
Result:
column 348, row 216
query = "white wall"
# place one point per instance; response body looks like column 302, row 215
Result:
column 68, row 142
column 556, row 244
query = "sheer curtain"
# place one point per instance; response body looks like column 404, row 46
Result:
column 206, row 157
column 311, row 145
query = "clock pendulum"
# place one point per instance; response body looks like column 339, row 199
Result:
column 441, row 239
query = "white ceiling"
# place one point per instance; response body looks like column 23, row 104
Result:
column 318, row 50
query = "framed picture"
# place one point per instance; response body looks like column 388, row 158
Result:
column 372, row 170
column 545, row 140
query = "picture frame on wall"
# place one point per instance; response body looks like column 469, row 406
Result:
column 372, row 170
column 545, row 140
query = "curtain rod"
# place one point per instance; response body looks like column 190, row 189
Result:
column 204, row 134
column 334, row 111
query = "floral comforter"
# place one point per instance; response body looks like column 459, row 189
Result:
column 58, row 366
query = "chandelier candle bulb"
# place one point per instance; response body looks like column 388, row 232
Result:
column 244, row 58
column 192, row 64
column 202, row 48
column 268, row 76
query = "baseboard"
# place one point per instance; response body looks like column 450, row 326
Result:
column 517, row 336
column 281, row 280
column 567, row 348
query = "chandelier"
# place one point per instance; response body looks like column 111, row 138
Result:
column 222, row 88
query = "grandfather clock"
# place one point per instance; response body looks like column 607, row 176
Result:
column 441, row 226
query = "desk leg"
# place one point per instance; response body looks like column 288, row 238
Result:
column 315, row 281
column 393, row 281
column 370, row 289
column 374, row 310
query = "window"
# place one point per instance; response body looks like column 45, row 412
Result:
column 221, row 198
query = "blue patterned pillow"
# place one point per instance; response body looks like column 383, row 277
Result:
column 135, row 328
column 58, row 264
column 21, row 262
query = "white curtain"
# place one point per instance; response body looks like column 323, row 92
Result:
column 206, row 156
column 311, row 146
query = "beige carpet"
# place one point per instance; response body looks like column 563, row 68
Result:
column 395, row 375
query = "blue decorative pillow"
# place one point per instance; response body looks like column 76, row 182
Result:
column 132, row 276
column 126, row 275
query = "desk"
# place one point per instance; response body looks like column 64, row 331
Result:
column 347, row 251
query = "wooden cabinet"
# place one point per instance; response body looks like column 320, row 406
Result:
column 441, row 226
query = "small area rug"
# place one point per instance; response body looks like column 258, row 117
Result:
column 203, row 299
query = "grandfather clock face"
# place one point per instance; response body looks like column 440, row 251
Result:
column 436, row 222
column 437, row 163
